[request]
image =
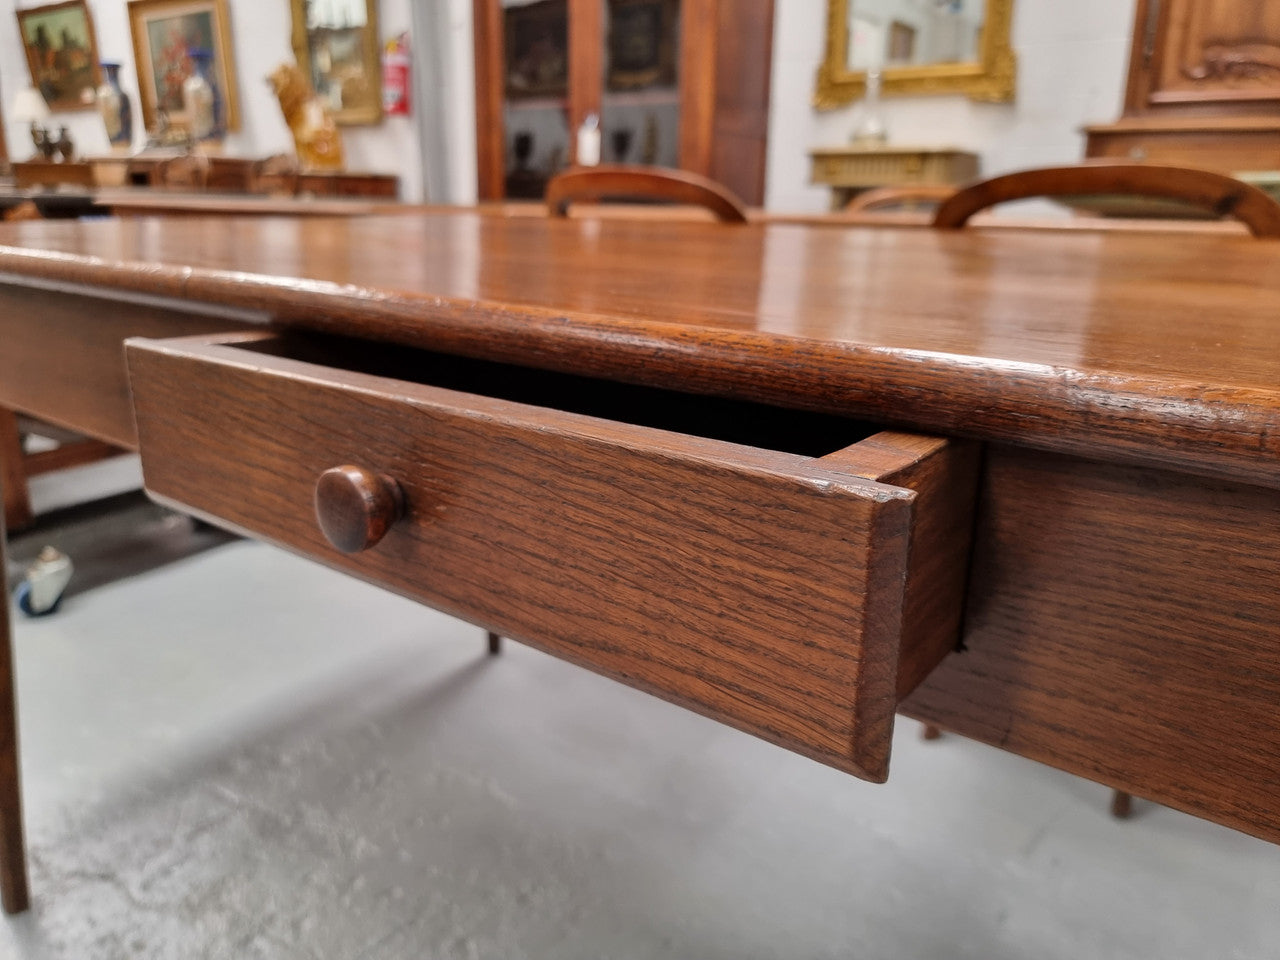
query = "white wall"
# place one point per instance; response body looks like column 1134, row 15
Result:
column 1071, row 71
column 260, row 34
column 1072, row 59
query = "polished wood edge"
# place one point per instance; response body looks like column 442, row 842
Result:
column 1139, row 420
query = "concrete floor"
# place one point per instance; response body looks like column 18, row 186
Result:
column 242, row 755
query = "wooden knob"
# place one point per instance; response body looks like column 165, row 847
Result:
column 356, row 507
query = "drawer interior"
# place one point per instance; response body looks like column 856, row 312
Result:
column 799, row 432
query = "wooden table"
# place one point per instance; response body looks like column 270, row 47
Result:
column 772, row 472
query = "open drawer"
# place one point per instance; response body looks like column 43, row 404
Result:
column 792, row 574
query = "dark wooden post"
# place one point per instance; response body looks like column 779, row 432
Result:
column 13, row 854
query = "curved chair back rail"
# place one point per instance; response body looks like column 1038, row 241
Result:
column 22, row 210
column 618, row 181
column 188, row 170
column 912, row 196
column 1216, row 192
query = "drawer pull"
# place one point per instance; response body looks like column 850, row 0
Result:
column 356, row 507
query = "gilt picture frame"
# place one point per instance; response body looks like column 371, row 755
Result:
column 62, row 53
column 336, row 46
column 991, row 77
column 165, row 32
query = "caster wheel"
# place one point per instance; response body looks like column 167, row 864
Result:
column 41, row 590
column 25, row 604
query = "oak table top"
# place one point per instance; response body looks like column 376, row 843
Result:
column 1137, row 347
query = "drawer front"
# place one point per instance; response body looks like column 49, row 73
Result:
column 761, row 588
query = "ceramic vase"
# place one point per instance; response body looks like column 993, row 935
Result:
column 115, row 108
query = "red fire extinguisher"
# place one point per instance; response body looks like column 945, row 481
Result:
column 395, row 77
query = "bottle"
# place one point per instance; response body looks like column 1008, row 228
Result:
column 114, row 106
column 871, row 130
column 589, row 141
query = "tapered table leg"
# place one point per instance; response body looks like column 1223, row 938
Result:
column 17, row 504
column 495, row 644
column 13, row 852
column 1121, row 805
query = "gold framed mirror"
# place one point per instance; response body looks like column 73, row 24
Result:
column 920, row 47
column 336, row 45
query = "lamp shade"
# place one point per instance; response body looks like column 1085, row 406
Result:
column 29, row 107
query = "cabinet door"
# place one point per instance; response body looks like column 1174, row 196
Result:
column 641, row 79
column 1217, row 53
column 523, row 108
column 677, row 83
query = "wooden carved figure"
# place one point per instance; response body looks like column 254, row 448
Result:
column 315, row 136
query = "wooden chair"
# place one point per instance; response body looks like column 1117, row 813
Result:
column 187, row 172
column 1215, row 192
column 909, row 197
column 276, row 175
column 625, row 182
column 25, row 210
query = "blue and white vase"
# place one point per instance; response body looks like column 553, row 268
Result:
column 202, row 99
column 115, row 108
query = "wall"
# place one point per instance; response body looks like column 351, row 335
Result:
column 260, row 34
column 1071, row 71
column 1072, row 59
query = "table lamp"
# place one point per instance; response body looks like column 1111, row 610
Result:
column 29, row 107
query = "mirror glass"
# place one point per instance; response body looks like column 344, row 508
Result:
column 336, row 44
column 900, row 33
column 919, row 47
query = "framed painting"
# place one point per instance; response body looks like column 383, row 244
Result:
column 62, row 53
column 642, row 44
column 536, row 42
column 336, row 45
column 168, row 38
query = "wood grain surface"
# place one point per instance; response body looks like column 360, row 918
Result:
column 944, row 474
column 1141, row 348
column 62, row 358
column 1124, row 624
column 762, row 588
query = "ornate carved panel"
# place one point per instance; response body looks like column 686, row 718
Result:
column 1203, row 51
